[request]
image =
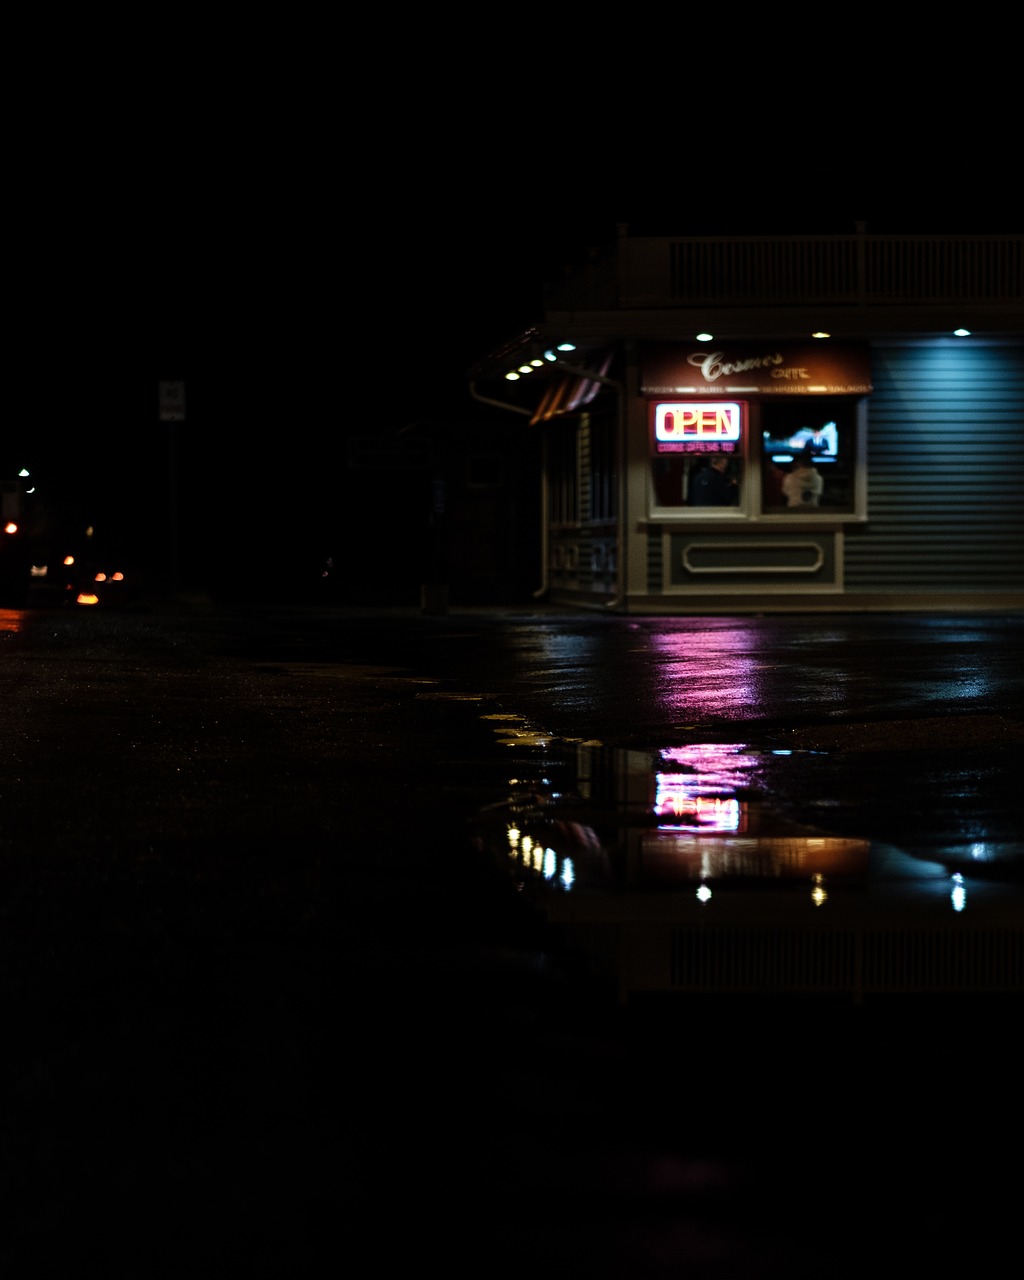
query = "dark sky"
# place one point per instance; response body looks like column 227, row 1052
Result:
column 281, row 253
column 317, row 259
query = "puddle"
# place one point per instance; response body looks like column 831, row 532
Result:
column 669, row 870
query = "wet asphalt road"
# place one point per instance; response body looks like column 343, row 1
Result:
column 907, row 728
column 268, row 1011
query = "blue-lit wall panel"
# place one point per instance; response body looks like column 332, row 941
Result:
column 945, row 471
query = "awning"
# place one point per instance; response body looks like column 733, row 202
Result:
column 570, row 392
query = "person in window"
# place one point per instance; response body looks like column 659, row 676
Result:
column 803, row 485
column 712, row 486
column 773, row 476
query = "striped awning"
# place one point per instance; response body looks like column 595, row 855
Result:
column 569, row 392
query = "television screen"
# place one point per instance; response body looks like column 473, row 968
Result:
column 820, row 439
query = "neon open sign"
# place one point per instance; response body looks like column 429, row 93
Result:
column 682, row 425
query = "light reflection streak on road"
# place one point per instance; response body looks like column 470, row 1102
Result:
column 12, row 620
column 705, row 674
column 721, row 674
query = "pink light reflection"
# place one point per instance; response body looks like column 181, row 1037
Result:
column 700, row 794
column 708, row 673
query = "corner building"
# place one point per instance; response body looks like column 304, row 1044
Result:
column 778, row 424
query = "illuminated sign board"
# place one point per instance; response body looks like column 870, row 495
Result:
column 787, row 369
column 698, row 426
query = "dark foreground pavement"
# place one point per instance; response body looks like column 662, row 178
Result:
column 268, row 1011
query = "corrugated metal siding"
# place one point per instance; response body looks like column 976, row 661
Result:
column 945, row 472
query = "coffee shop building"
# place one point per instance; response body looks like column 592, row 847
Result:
column 777, row 424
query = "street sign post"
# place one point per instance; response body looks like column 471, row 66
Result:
column 172, row 402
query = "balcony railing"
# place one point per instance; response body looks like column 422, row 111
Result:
column 835, row 270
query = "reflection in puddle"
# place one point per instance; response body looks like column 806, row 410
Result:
column 685, row 814
column 670, row 872
column 697, row 787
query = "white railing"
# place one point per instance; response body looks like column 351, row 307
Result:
column 838, row 270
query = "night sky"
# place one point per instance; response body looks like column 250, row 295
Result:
column 314, row 265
